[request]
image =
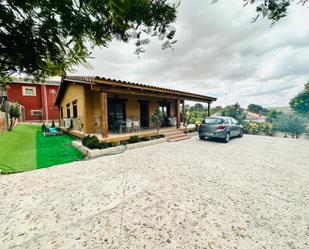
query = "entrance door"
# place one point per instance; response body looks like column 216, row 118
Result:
column 116, row 113
column 144, row 113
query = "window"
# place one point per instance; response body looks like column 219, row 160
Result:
column 29, row 91
column 36, row 113
column 234, row 121
column 213, row 121
column 68, row 111
column 165, row 108
column 61, row 112
column 74, row 103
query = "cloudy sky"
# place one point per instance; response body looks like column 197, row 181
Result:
column 219, row 52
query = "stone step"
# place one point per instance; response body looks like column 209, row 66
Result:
column 170, row 132
column 178, row 138
column 176, row 135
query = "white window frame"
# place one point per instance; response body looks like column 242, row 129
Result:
column 29, row 87
column 32, row 111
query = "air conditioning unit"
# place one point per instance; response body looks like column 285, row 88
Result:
column 67, row 123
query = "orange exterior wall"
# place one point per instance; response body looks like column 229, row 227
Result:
column 89, row 109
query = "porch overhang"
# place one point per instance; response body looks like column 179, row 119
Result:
column 123, row 87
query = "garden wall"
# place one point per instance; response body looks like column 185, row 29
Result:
column 3, row 122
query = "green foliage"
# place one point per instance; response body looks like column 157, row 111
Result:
column 134, row 139
column 14, row 113
column 147, row 138
column 215, row 110
column 53, row 124
column 103, row 145
column 43, row 127
column 246, row 126
column 272, row 115
column 257, row 109
column 274, row 10
column 124, row 142
column 92, row 142
column 300, row 103
column 234, row 111
column 187, row 119
column 114, row 143
column 254, row 128
column 157, row 119
column 290, row 123
column 46, row 38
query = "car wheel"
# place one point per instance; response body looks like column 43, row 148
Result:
column 227, row 138
column 241, row 133
column 202, row 137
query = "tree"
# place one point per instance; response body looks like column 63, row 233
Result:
column 187, row 119
column 14, row 114
column 157, row 119
column 300, row 103
column 272, row 115
column 274, row 10
column 215, row 110
column 257, row 109
column 234, row 111
column 46, row 38
column 290, row 123
column 198, row 107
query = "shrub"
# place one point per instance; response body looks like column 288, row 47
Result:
column 43, row 127
column 92, row 142
column 104, row 145
column 157, row 119
column 147, row 138
column 53, row 124
column 114, row 143
column 124, row 142
column 14, row 114
column 134, row 139
column 254, row 128
column 246, row 126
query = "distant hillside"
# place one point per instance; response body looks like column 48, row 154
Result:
column 280, row 108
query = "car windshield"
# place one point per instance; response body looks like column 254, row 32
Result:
column 213, row 121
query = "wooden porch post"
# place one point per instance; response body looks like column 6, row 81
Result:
column 178, row 113
column 183, row 107
column 104, row 120
column 208, row 109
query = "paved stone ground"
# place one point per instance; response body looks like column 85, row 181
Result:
column 250, row 193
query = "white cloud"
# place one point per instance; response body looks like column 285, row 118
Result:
column 220, row 51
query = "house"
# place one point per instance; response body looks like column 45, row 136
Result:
column 251, row 116
column 37, row 99
column 98, row 105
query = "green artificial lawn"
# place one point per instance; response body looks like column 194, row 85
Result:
column 55, row 150
column 25, row 148
column 18, row 149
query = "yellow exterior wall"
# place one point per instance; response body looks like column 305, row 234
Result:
column 89, row 109
column 73, row 93
column 93, row 111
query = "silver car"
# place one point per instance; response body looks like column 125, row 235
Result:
column 220, row 127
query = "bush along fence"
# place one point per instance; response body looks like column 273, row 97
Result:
column 257, row 128
column 10, row 115
column 90, row 146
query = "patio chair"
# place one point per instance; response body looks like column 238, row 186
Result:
column 128, row 125
column 136, row 125
column 172, row 121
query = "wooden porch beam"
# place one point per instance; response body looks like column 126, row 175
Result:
column 178, row 113
column 104, row 118
column 118, row 90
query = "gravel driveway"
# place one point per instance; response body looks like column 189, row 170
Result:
column 250, row 193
